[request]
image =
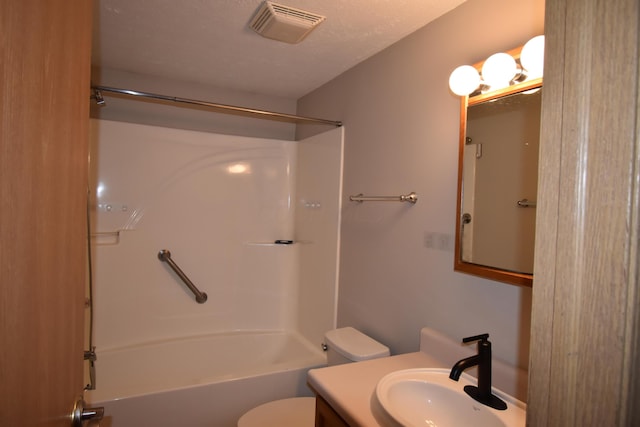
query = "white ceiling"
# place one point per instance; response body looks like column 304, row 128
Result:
column 210, row 42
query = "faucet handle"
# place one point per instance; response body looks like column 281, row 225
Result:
column 481, row 337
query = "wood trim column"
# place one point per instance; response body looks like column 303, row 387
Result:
column 584, row 341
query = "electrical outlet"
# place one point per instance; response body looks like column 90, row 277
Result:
column 429, row 239
column 445, row 242
column 439, row 241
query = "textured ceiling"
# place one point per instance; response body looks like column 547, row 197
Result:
column 210, row 42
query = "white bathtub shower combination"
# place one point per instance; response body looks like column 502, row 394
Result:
column 218, row 203
column 208, row 380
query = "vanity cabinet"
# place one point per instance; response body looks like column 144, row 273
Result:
column 326, row 416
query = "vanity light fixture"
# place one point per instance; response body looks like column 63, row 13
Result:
column 532, row 57
column 500, row 70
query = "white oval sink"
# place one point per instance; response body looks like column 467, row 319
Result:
column 429, row 398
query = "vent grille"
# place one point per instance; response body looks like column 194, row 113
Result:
column 290, row 12
column 284, row 23
column 261, row 19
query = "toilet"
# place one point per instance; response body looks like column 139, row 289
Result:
column 344, row 345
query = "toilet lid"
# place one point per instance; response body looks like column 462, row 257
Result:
column 297, row 411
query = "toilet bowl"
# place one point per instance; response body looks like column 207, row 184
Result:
column 344, row 345
column 297, row 411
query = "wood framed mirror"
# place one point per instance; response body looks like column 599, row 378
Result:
column 497, row 183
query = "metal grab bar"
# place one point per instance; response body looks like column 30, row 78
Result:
column 165, row 255
column 524, row 203
column 411, row 198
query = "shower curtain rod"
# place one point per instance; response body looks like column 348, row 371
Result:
column 262, row 113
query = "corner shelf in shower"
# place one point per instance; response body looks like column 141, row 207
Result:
column 293, row 243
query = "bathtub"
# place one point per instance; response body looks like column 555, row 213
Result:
column 206, row 380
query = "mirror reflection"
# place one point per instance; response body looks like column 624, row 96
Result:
column 498, row 184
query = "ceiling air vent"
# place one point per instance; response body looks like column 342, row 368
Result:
column 284, row 23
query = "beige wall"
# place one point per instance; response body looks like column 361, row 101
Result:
column 401, row 135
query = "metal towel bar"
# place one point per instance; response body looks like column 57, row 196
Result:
column 524, row 203
column 165, row 255
column 411, row 198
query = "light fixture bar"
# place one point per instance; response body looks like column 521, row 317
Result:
column 500, row 70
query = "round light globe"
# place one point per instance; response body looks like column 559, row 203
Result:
column 498, row 70
column 532, row 57
column 464, row 80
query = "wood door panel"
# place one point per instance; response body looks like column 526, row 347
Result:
column 44, row 115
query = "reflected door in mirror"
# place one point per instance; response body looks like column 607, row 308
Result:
column 501, row 151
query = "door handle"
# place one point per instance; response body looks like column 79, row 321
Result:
column 81, row 414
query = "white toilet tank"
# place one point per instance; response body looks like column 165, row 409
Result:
column 347, row 344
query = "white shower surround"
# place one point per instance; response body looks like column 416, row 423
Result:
column 218, row 203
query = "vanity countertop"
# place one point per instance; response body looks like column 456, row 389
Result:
column 350, row 388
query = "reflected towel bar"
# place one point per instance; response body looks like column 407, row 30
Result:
column 411, row 198
column 165, row 255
